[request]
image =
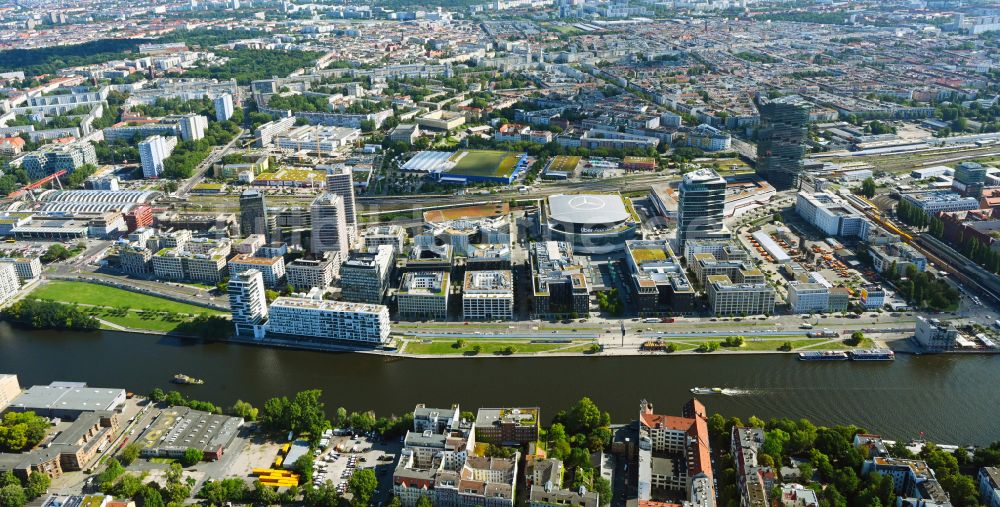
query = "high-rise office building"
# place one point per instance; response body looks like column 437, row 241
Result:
column 329, row 225
column 247, row 300
column 781, row 140
column 340, row 181
column 193, row 127
column 152, row 152
column 223, row 107
column 970, row 178
column 702, row 207
column 253, row 214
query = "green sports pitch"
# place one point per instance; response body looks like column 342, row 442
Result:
column 484, row 163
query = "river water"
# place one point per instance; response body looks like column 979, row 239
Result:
column 952, row 399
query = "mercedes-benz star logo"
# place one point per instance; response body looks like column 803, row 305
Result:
column 586, row 203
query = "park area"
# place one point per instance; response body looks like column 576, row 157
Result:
column 121, row 308
column 484, row 163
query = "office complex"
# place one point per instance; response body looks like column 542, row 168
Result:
column 340, row 182
column 324, row 321
column 969, row 180
column 329, row 225
column 559, row 285
column 423, row 295
column 253, row 214
column 304, row 274
column 152, row 152
column 247, row 300
column 831, row 214
column 934, row 201
column 808, row 297
column 935, row 335
column 392, row 235
column 51, row 158
column 364, row 276
column 660, row 282
column 272, row 269
column 781, row 139
column 739, row 298
column 488, row 295
column 28, row 268
column 223, row 107
column 702, row 206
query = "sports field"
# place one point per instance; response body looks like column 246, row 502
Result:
column 484, row 163
column 564, row 163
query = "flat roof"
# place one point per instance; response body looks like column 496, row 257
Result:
column 68, row 397
column 588, row 208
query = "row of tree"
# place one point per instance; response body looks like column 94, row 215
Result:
column 16, row 493
column 38, row 314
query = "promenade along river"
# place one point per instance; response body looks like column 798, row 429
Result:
column 953, row 399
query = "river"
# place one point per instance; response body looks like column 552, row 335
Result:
column 953, row 399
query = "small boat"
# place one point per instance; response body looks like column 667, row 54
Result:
column 823, row 355
column 872, row 355
column 180, row 378
column 706, row 390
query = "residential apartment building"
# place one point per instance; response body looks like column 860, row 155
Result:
column 9, row 389
column 247, row 301
column 28, row 268
column 423, row 295
column 207, row 263
column 272, row 269
column 10, row 283
column 364, row 277
column 264, row 135
column 223, row 107
column 729, row 298
column 192, row 126
column 330, row 321
column 135, row 259
column 304, row 274
column 753, row 479
column 708, row 138
column 914, row 482
column 664, row 439
column 488, row 295
column 152, row 152
column 988, row 481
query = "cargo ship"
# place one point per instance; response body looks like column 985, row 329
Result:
column 872, row 355
column 180, row 378
column 823, row 355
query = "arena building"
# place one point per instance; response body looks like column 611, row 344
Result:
column 592, row 223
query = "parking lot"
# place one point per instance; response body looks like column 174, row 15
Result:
column 346, row 454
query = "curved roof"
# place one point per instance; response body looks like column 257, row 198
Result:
column 593, row 209
column 102, row 196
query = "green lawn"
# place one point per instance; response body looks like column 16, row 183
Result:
column 100, row 295
column 136, row 321
column 446, row 347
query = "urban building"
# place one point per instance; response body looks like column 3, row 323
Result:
column 797, row 495
column 747, row 298
column 488, row 295
column 988, row 481
column 272, row 269
column 254, row 218
column 508, row 426
column 392, row 235
column 872, row 296
column 423, row 295
column 317, row 139
column 593, row 223
column 364, row 277
column 28, row 268
column 674, row 456
column 223, row 107
column 702, row 207
column 405, row 133
column 899, row 254
column 52, row 158
column 340, row 182
column 547, row 495
column 708, row 138
column 181, row 428
column 152, row 152
column 9, row 389
column 660, row 282
column 831, row 214
column 192, row 126
column 935, row 201
column 67, row 400
column 304, row 274
column 264, row 134
column 559, row 285
column 781, row 138
column 330, row 232
column 806, row 297
column 329, row 322
column 753, row 479
column 247, row 301
column 914, row 482
column 969, row 180
column 935, row 335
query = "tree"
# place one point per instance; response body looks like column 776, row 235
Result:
column 326, row 495
column 244, row 410
column 583, row 416
column 157, row 395
column 12, row 495
column 856, row 338
column 263, row 494
column 868, row 188
column 192, row 457
column 130, row 453
column 424, row 501
column 362, row 486
column 37, row 485
column 304, row 467
column 603, row 488
column 151, row 497
column 219, row 492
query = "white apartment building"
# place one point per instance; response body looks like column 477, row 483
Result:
column 153, row 151
column 223, row 107
column 28, row 268
column 264, row 135
column 9, row 282
column 272, row 269
column 308, row 273
column 806, row 297
column 193, row 127
column 488, row 295
column 247, row 301
column 359, row 323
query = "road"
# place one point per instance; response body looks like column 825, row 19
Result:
column 199, row 172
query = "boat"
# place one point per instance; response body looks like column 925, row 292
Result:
column 180, row 378
column 823, row 355
column 706, row 390
column 872, row 355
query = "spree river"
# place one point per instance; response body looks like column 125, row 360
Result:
column 952, row 399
